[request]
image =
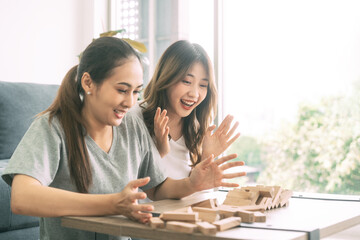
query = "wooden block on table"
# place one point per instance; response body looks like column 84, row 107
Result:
column 236, row 201
column 179, row 216
column 226, row 211
column 206, row 228
column 156, row 222
column 209, row 203
column 275, row 199
column 246, row 216
column 252, row 208
column 185, row 210
column 241, row 194
column 227, row 223
column 259, row 217
column 202, row 209
column 284, row 197
column 181, row 226
column 209, row 217
column 207, row 214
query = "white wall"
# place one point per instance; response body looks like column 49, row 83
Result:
column 40, row 39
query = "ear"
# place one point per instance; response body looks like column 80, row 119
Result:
column 87, row 83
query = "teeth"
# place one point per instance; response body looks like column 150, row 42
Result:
column 188, row 103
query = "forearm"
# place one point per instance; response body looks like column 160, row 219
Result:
column 175, row 189
column 30, row 198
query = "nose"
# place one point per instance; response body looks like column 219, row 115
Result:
column 129, row 100
column 194, row 91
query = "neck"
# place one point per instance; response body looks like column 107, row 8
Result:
column 175, row 124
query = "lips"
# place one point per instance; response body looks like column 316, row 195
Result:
column 119, row 113
column 187, row 103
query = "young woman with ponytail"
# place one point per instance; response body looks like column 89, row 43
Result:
column 84, row 156
column 178, row 107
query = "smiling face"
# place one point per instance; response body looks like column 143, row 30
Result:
column 188, row 93
column 107, row 103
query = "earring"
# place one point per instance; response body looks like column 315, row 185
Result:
column 88, row 93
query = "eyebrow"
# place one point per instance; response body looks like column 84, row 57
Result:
column 204, row 79
column 129, row 85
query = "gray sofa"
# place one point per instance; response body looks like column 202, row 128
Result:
column 19, row 103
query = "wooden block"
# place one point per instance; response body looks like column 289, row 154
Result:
column 275, row 199
column 246, row 216
column 241, row 194
column 259, row 217
column 207, row 214
column 185, row 210
column 181, row 226
column 156, row 222
column 236, row 201
column 227, row 223
column 226, row 211
column 284, row 197
column 252, row 208
column 202, row 209
column 206, row 228
column 209, row 203
column 265, row 191
column 209, row 217
column 179, row 216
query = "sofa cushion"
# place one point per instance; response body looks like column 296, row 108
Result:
column 19, row 103
column 8, row 220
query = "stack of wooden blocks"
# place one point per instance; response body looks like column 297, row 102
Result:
column 246, row 204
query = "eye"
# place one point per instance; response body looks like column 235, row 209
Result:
column 203, row 85
column 122, row 91
column 186, row 81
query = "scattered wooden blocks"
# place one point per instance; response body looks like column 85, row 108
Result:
column 227, row 223
column 246, row 204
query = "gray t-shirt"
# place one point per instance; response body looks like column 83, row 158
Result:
column 42, row 154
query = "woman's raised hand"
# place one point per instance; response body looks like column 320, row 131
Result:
column 209, row 173
column 217, row 142
column 161, row 131
column 126, row 202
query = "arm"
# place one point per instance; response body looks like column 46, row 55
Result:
column 206, row 175
column 219, row 141
column 161, row 131
column 29, row 197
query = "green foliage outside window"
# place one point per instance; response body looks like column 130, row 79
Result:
column 319, row 152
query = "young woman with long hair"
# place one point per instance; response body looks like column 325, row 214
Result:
column 180, row 104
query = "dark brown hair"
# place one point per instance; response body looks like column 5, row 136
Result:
column 99, row 59
column 172, row 67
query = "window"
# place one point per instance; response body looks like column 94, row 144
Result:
column 291, row 72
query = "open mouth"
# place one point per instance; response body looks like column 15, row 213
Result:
column 119, row 113
column 188, row 103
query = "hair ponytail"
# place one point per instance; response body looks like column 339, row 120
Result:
column 67, row 108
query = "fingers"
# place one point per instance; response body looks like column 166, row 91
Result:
column 139, row 182
column 142, row 213
column 231, row 165
column 207, row 161
column 210, row 129
column 224, row 184
column 233, row 129
column 234, row 175
column 225, row 158
column 225, row 124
